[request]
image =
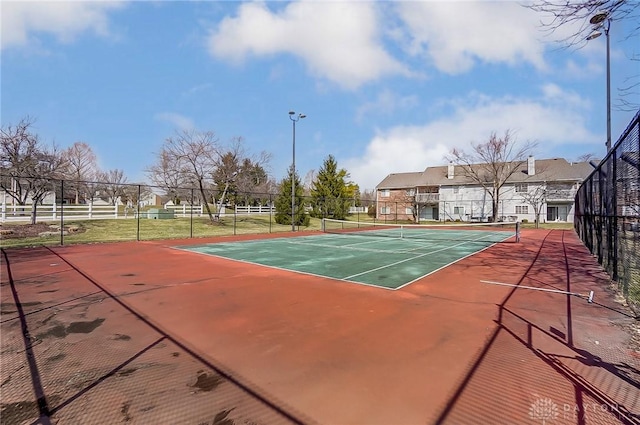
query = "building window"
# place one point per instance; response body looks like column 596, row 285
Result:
column 522, row 187
column 384, row 193
column 408, row 211
column 522, row 209
column 410, row 192
column 385, row 210
column 458, row 210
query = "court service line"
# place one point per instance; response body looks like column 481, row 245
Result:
column 447, row 265
column 337, row 279
column 422, row 243
column 366, row 241
column 409, row 259
column 352, row 247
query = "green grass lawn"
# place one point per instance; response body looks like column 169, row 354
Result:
column 112, row 230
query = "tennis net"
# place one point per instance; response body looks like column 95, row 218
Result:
column 481, row 232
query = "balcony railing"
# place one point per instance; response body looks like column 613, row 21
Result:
column 561, row 194
column 427, row 197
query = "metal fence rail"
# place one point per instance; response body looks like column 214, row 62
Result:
column 607, row 216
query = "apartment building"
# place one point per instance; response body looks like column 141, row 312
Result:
column 448, row 193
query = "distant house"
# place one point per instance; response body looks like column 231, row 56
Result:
column 152, row 199
column 446, row 193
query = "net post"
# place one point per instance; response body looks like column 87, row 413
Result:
column 517, row 231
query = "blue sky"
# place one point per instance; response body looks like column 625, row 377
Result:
column 386, row 86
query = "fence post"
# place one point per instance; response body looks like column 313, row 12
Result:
column 4, row 210
column 270, row 212
column 191, row 216
column 61, row 212
column 614, row 206
column 138, row 221
column 91, row 208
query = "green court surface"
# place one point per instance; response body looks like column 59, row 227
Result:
column 387, row 262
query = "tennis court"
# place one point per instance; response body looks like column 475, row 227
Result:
column 156, row 332
column 384, row 255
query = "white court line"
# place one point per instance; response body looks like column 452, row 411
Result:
column 446, row 265
column 353, row 247
column 337, row 279
column 589, row 296
column 413, row 258
column 346, row 279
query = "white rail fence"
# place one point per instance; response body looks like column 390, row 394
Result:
column 185, row 210
column 53, row 212
column 254, row 210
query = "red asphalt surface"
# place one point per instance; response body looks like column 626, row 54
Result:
column 445, row 349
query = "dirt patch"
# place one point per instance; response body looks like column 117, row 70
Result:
column 21, row 231
column 205, row 381
column 60, row 331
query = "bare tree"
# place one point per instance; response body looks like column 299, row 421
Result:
column 20, row 149
column 194, row 157
column 134, row 193
column 368, row 195
column 408, row 201
column 576, row 14
column 586, row 157
column 492, row 163
column 536, row 198
column 114, row 185
column 81, row 166
column 166, row 174
column 27, row 166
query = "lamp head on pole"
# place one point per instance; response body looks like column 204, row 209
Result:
column 294, row 118
column 594, row 34
column 599, row 17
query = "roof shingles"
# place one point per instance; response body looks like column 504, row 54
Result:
column 554, row 169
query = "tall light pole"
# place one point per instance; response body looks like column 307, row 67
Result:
column 602, row 20
column 294, row 119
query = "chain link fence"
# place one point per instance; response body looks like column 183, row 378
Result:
column 607, row 217
column 90, row 211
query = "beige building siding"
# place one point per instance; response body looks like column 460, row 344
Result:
column 446, row 193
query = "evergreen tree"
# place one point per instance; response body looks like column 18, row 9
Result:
column 283, row 202
column 330, row 192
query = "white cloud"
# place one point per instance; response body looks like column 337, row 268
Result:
column 338, row 41
column 22, row 22
column 475, row 117
column 454, row 36
column 386, row 103
column 179, row 121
